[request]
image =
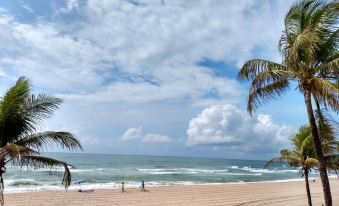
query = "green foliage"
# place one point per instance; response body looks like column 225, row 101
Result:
column 46, row 162
column 302, row 155
column 310, row 58
column 309, row 47
column 329, row 131
column 20, row 115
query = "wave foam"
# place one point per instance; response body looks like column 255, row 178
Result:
column 180, row 171
column 260, row 170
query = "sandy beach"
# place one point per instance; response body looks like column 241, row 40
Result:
column 264, row 193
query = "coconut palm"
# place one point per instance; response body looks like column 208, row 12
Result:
column 309, row 47
column 328, row 130
column 302, row 156
column 20, row 142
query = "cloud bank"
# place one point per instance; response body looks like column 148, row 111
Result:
column 113, row 50
column 229, row 127
column 120, row 63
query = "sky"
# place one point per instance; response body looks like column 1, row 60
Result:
column 152, row 77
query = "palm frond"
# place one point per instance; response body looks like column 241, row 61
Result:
column 253, row 67
column 327, row 125
column 298, row 139
column 15, row 152
column 307, row 146
column 328, row 50
column 41, row 106
column 12, row 122
column 286, row 156
column 268, row 77
column 332, row 162
column 332, row 158
column 275, row 159
column 261, row 95
column 295, row 17
column 329, row 70
column 299, row 41
column 46, row 162
column 310, row 32
column 289, row 160
column 326, row 93
column 48, row 139
column 311, row 162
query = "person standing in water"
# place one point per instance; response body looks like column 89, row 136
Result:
column 142, row 185
column 123, row 186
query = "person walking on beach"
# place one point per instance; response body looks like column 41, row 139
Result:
column 142, row 185
column 123, row 186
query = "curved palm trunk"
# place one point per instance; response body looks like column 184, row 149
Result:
column 308, row 189
column 318, row 150
column 2, row 186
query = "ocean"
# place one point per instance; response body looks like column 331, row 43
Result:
column 106, row 171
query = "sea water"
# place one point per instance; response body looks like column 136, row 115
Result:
column 107, row 171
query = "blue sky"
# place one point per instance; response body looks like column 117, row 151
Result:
column 153, row 77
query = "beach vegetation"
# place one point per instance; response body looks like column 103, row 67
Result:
column 303, row 155
column 21, row 138
column 310, row 64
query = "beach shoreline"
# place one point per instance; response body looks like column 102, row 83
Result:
column 174, row 184
column 249, row 193
column 117, row 186
column 107, row 172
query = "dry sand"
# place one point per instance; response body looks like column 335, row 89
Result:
column 276, row 193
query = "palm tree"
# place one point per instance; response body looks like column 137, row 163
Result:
column 309, row 47
column 328, row 130
column 20, row 143
column 302, row 156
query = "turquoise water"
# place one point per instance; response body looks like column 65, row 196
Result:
column 107, row 171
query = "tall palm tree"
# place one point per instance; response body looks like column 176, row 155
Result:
column 20, row 142
column 309, row 47
column 302, row 156
column 328, row 129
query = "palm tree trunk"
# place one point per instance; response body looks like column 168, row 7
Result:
column 308, row 189
column 2, row 186
column 318, row 150
column 319, row 114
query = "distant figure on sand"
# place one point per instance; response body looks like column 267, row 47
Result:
column 123, row 186
column 142, row 185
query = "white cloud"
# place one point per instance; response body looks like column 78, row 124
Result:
column 132, row 133
column 140, row 52
column 72, row 4
column 108, row 57
column 227, row 126
column 137, row 133
column 156, row 138
column 26, row 7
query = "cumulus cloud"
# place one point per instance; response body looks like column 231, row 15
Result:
column 137, row 133
column 132, row 133
column 228, row 126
